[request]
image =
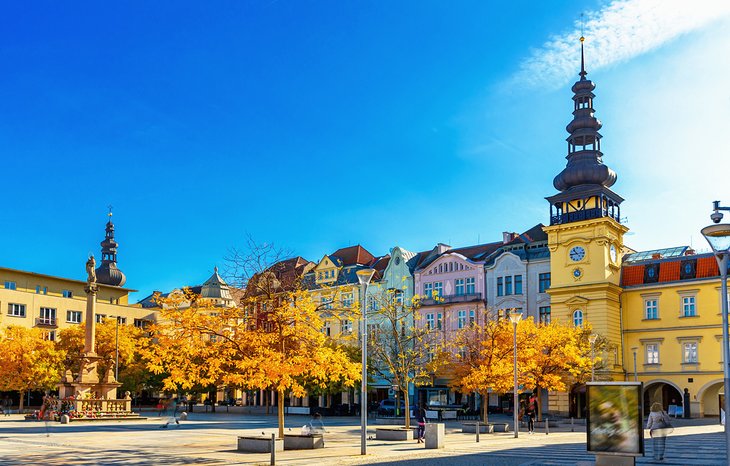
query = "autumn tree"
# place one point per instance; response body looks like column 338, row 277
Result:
column 28, row 362
column 132, row 341
column 397, row 343
column 481, row 359
column 272, row 341
column 553, row 356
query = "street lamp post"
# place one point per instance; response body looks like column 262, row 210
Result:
column 636, row 375
column 364, row 276
column 719, row 238
column 116, row 350
column 592, row 339
column 514, row 317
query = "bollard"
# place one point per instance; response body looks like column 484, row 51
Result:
column 572, row 429
column 477, row 431
column 547, row 427
column 273, row 449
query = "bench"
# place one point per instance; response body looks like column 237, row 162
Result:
column 471, row 428
column 500, row 427
column 303, row 442
column 393, row 433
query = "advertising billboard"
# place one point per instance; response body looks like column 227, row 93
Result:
column 615, row 418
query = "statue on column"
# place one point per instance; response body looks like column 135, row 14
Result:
column 91, row 270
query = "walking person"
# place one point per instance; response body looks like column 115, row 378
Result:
column 420, row 414
column 531, row 414
column 659, row 427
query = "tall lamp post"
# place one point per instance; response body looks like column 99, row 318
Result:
column 719, row 238
column 636, row 375
column 514, row 317
column 364, row 276
column 592, row 339
column 116, row 349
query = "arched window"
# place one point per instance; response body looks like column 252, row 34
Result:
column 578, row 318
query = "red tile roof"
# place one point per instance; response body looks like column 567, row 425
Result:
column 632, row 275
column 669, row 271
column 354, row 255
column 707, row 267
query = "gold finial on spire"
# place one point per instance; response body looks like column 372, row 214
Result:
column 110, row 210
column 582, row 39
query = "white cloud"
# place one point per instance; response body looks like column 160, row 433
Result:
column 620, row 31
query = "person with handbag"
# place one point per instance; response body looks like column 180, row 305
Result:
column 659, row 427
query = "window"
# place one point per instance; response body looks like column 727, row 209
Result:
column 346, row 326
column 544, row 282
column 326, row 329
column 16, row 310
column 100, row 318
column 374, row 303
column 438, row 288
column 470, row 287
column 41, row 289
column 544, row 315
column 472, row 318
column 461, row 322
column 439, row 319
column 429, row 321
column 326, row 302
column 67, row 293
column 141, row 323
column 688, row 306
column 47, row 316
column 500, row 287
column 49, row 335
column 398, row 297
column 73, row 317
column 347, row 300
column 428, row 290
column 578, row 318
column 122, row 320
column 651, row 310
column 689, row 353
column 459, row 286
column 10, row 285
column 462, row 352
column 508, row 285
column 652, row 353
column 518, row 284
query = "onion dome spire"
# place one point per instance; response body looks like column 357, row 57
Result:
column 585, row 159
column 108, row 273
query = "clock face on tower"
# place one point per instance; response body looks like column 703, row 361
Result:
column 577, row 254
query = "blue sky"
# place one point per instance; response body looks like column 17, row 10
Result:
column 317, row 125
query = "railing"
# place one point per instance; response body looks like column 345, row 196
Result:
column 97, row 405
column 46, row 321
column 453, row 298
column 579, row 215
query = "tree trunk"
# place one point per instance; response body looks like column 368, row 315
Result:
column 539, row 403
column 280, row 410
column 20, row 404
column 407, row 413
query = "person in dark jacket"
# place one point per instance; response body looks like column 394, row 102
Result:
column 420, row 414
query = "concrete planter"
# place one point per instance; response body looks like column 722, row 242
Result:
column 303, row 442
column 435, row 433
column 259, row 444
column 471, row 428
column 393, row 421
column 500, row 427
column 393, row 433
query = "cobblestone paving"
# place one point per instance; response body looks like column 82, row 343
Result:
column 210, row 439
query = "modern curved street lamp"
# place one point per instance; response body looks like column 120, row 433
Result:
column 515, row 316
column 718, row 236
column 364, row 276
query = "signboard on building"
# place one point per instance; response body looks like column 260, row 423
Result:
column 615, row 418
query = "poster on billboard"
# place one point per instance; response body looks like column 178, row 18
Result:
column 615, row 418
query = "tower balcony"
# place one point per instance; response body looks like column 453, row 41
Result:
column 579, row 215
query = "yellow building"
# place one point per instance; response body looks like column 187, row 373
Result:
column 658, row 308
column 51, row 303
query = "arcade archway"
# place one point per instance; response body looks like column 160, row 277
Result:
column 663, row 392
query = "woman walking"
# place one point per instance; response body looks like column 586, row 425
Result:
column 659, row 427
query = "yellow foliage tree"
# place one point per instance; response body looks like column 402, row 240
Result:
column 481, row 358
column 28, row 362
column 281, row 349
column 552, row 356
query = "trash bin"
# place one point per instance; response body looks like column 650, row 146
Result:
column 435, row 432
